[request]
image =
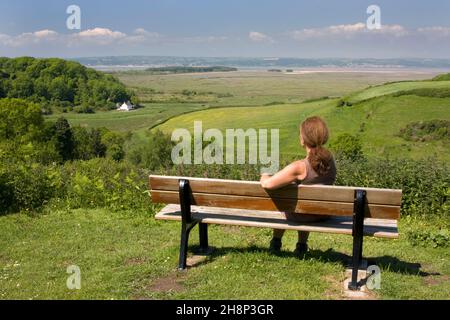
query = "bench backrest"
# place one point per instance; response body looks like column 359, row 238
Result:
column 316, row 199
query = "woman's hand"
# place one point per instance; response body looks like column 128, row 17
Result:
column 264, row 178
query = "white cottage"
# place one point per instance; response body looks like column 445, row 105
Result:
column 126, row 106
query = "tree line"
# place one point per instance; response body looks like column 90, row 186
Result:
column 61, row 85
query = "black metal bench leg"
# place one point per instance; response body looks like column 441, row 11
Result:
column 358, row 236
column 203, row 235
column 183, row 248
column 187, row 223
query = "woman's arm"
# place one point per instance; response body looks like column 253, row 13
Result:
column 286, row 176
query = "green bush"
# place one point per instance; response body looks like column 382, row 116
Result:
column 429, row 238
column 347, row 146
column 425, row 183
column 426, row 131
column 27, row 187
column 96, row 183
column 104, row 183
column 153, row 152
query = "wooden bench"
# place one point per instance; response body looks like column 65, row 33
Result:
column 354, row 211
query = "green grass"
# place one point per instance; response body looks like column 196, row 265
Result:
column 132, row 256
column 138, row 120
column 390, row 88
column 382, row 117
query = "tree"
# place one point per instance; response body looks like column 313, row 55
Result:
column 64, row 139
column 98, row 148
column 114, row 145
column 22, row 87
column 154, row 152
column 20, row 119
column 60, row 82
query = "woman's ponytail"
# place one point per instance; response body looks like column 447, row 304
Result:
column 315, row 134
column 320, row 160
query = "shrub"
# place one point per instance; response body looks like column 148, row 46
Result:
column 104, row 183
column 426, row 130
column 425, row 183
column 429, row 238
column 347, row 146
column 97, row 183
column 153, row 152
column 27, row 187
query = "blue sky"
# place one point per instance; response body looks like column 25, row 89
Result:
column 319, row 28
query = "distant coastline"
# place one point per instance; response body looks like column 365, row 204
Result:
column 298, row 65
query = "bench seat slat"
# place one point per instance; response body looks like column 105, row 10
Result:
column 278, row 204
column 254, row 189
column 277, row 220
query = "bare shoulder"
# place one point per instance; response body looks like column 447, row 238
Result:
column 300, row 168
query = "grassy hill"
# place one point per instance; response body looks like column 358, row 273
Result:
column 391, row 88
column 377, row 121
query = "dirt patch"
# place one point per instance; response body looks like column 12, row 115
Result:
column 436, row 280
column 171, row 283
column 335, row 290
column 135, row 261
column 363, row 293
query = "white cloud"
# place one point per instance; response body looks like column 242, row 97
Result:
column 346, row 31
column 259, row 37
column 101, row 36
column 45, row 34
column 435, row 31
column 394, row 30
column 4, row 39
column 140, row 35
column 346, row 39
column 29, row 38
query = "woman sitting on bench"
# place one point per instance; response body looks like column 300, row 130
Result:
column 317, row 168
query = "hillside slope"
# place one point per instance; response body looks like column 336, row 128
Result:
column 391, row 88
column 376, row 121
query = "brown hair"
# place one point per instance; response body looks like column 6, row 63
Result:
column 314, row 131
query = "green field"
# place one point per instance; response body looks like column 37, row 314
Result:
column 162, row 95
column 382, row 118
column 258, row 87
column 137, row 120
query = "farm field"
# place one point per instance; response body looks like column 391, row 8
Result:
column 162, row 95
column 260, row 87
